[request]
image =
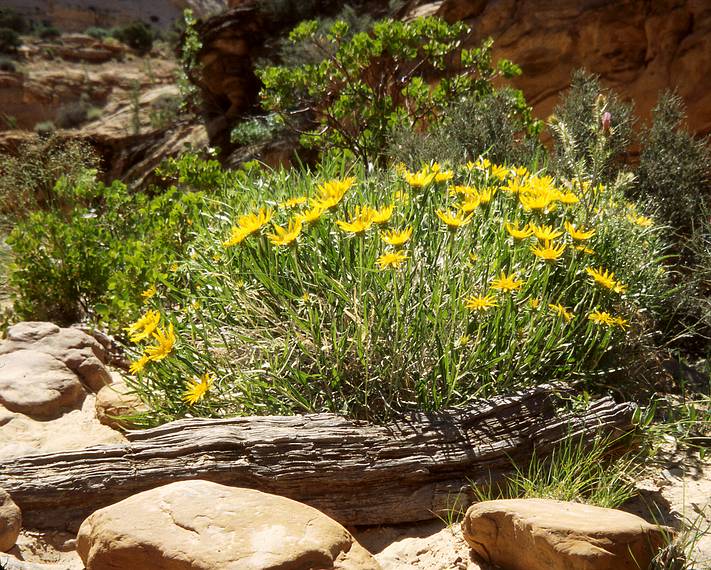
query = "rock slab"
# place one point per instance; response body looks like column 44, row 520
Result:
column 117, row 400
column 10, row 522
column 541, row 534
column 200, row 525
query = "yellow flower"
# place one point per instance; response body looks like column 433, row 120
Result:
column 293, row 202
column 642, row 221
column 545, row 233
column 419, row 179
column 534, row 302
column 514, row 186
column 286, row 236
column 138, row 365
column 470, row 203
column 197, row 388
column 454, row 221
column 143, row 327
column 480, row 303
column 473, row 257
column 247, row 225
column 383, row 215
column 397, row 238
column 463, row 340
column 361, row 220
column 568, row 197
column 506, row 282
column 331, row 192
column 486, row 194
column 391, row 259
column 464, row 190
column 580, row 235
column 622, row 323
column 401, row 196
column 520, row 171
column 531, row 201
column 548, row 252
column 310, row 216
column 148, row 293
column 584, row 249
column 444, row 175
column 174, row 267
column 166, row 342
column 499, row 171
column 517, row 233
column 601, row 318
column 606, row 279
column 561, row 311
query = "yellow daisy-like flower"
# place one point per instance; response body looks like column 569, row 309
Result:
column 584, row 249
column 287, row 235
column 622, row 323
column 473, row 257
column 470, row 203
column 360, row 222
column 499, row 171
column 454, row 221
column 576, row 234
column 506, row 282
column 561, row 311
column 138, row 365
column 486, row 194
column 311, row 215
column 641, row 221
column 545, row 233
column 197, row 388
column 602, row 318
column 384, row 214
column 166, row 342
column 397, row 238
column 514, row 186
column 401, row 196
column 568, row 198
column 480, row 303
column 548, row 251
column 150, row 292
column 293, row 202
column 520, row 171
column 391, row 259
column 534, row 302
column 606, row 279
column 247, row 225
column 444, row 175
column 143, row 327
column 419, row 179
column 463, row 340
column 463, row 190
column 331, row 192
column 517, row 233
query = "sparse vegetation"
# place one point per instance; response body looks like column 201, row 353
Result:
column 9, row 40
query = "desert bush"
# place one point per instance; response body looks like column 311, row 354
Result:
column 591, row 130
column 45, row 129
column 13, row 20
column 255, row 130
column 48, row 33
column 137, row 35
column 6, row 64
column 99, row 254
column 9, row 40
column 98, row 33
column 72, row 115
column 371, row 81
column 27, row 178
column 498, row 125
column 370, row 294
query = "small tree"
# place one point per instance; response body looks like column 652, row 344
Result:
column 136, row 35
column 398, row 73
column 9, row 40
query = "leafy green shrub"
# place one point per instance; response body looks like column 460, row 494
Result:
column 371, row 81
column 498, row 125
column 48, row 33
column 99, row 255
column 13, row 20
column 45, row 129
column 6, row 64
column 591, row 130
column 292, row 299
column 137, row 35
column 98, row 33
column 9, row 40
column 27, row 179
column 255, row 130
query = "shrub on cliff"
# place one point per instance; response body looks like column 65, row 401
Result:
column 137, row 35
column 9, row 40
column 13, row 20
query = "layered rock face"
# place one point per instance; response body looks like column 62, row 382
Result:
column 637, row 47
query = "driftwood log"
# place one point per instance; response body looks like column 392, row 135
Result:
column 358, row 473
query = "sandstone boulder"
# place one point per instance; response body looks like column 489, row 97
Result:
column 10, row 522
column 200, row 525
column 37, row 384
column 117, row 400
column 81, row 353
column 540, row 534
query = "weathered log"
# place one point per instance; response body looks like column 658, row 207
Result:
column 356, row 472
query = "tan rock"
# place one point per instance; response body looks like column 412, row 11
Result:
column 10, row 522
column 540, row 534
column 37, row 384
column 200, row 525
column 115, row 400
